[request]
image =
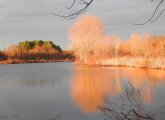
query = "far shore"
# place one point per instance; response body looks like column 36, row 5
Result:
column 2, row 62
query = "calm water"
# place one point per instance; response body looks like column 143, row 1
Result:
column 40, row 91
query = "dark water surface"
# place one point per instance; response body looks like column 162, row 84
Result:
column 41, row 91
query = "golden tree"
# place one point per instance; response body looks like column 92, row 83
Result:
column 83, row 35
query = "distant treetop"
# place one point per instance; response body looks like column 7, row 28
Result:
column 28, row 45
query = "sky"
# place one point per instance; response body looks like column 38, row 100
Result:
column 32, row 19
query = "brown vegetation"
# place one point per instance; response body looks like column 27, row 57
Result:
column 84, row 38
column 34, row 52
column 92, row 46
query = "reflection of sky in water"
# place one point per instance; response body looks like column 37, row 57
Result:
column 39, row 91
column 32, row 75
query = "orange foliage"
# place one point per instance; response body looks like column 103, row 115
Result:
column 24, row 53
column 12, row 51
column 83, row 35
column 92, row 46
column 144, row 46
column 106, row 47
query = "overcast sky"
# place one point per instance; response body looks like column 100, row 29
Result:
column 32, row 19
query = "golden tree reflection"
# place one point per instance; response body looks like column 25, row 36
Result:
column 145, row 79
column 91, row 84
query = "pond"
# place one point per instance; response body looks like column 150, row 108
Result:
column 42, row 91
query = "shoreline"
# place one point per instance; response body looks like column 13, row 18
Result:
column 5, row 62
column 134, row 62
column 138, row 62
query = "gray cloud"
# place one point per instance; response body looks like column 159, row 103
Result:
column 32, row 19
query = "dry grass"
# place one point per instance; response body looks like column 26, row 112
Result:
column 143, row 51
column 141, row 62
column 92, row 46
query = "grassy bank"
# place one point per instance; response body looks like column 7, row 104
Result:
column 140, row 62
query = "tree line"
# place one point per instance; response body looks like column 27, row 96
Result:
column 34, row 50
column 91, row 45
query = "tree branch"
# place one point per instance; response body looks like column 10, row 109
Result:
column 86, row 3
column 151, row 19
column 74, row 13
column 71, row 5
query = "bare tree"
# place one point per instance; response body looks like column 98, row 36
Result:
column 83, row 35
column 84, row 4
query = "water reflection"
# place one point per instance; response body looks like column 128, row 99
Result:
column 91, row 84
column 130, row 106
column 31, row 83
column 34, row 75
column 145, row 79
